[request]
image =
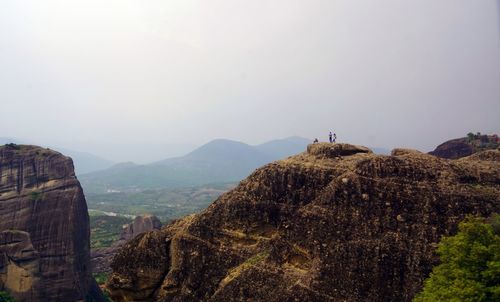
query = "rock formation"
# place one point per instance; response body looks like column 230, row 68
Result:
column 141, row 224
column 336, row 223
column 462, row 147
column 44, row 227
column 101, row 258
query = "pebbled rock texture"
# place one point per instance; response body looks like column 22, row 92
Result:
column 323, row 225
column 44, row 227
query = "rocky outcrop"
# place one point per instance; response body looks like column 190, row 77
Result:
column 335, row 150
column 465, row 146
column 141, row 224
column 325, row 225
column 44, row 227
column 101, row 258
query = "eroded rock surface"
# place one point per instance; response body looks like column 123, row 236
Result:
column 44, row 227
column 325, row 225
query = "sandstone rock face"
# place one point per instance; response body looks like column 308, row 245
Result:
column 20, row 265
column 101, row 258
column 320, row 226
column 44, row 227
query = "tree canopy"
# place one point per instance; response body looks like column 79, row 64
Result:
column 470, row 264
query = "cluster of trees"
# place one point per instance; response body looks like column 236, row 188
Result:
column 13, row 146
column 470, row 264
column 471, row 136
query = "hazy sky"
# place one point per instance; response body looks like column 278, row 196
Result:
column 144, row 80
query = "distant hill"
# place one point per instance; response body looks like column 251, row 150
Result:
column 284, row 147
column 219, row 161
column 86, row 162
column 465, row 146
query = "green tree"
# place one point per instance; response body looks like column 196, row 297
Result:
column 470, row 136
column 5, row 297
column 470, row 264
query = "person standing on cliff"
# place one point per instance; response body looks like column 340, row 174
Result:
column 330, row 136
column 334, row 137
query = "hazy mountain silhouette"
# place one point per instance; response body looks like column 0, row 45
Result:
column 86, row 162
column 281, row 148
column 218, row 161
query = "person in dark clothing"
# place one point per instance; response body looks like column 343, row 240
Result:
column 331, row 137
column 315, row 141
column 334, row 137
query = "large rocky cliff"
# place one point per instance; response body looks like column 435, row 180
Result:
column 336, row 223
column 44, row 227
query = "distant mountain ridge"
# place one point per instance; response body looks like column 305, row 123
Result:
column 219, row 161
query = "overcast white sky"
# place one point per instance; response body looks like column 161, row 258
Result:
column 144, row 80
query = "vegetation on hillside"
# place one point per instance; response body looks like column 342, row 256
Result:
column 470, row 264
column 100, row 278
column 5, row 297
column 104, row 230
column 482, row 142
column 166, row 204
